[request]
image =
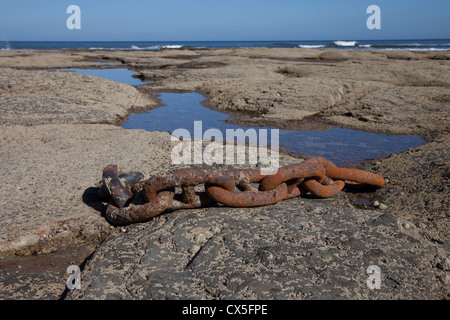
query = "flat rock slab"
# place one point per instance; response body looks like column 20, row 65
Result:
column 49, row 173
column 55, row 144
column 33, row 59
column 296, row 249
column 419, row 187
column 38, row 97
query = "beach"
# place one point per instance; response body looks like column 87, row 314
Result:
column 60, row 129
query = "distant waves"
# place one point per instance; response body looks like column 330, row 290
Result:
column 412, row 45
column 137, row 48
column 388, row 45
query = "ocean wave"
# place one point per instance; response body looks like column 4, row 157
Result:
column 408, row 46
column 346, row 43
column 428, row 49
column 133, row 47
column 416, row 49
column 7, row 47
column 173, row 46
column 105, row 48
column 311, row 46
column 169, row 46
column 417, row 45
column 337, row 44
column 137, row 48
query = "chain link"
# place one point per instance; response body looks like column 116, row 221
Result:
column 135, row 200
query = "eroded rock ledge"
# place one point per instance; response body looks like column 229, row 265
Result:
column 57, row 136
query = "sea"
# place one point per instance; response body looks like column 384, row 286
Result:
column 411, row 45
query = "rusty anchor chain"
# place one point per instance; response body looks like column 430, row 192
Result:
column 133, row 199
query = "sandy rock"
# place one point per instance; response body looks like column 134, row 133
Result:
column 58, row 167
column 37, row 97
column 297, row 249
column 418, row 187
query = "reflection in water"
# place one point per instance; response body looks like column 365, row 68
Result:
column 182, row 109
column 336, row 144
column 118, row 75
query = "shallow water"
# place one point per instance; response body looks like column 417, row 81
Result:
column 120, row 74
column 182, row 109
column 336, row 144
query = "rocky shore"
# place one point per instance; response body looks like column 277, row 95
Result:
column 59, row 129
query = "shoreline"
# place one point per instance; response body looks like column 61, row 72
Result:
column 126, row 45
column 243, row 118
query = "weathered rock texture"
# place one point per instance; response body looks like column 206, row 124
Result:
column 311, row 249
column 38, row 97
column 56, row 137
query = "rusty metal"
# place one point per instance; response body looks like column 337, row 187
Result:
column 187, row 177
column 295, row 171
column 139, row 213
column 118, row 191
column 137, row 201
column 358, row 176
column 323, row 190
column 247, row 199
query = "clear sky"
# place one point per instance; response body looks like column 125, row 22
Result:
column 198, row 20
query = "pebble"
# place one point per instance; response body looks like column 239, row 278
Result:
column 123, row 230
column 382, row 206
column 376, row 203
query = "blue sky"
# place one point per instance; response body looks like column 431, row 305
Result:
column 198, row 20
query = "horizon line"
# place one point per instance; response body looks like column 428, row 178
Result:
column 340, row 39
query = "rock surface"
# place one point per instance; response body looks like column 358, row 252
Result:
column 378, row 91
column 315, row 250
column 38, row 97
column 57, row 135
column 50, row 172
